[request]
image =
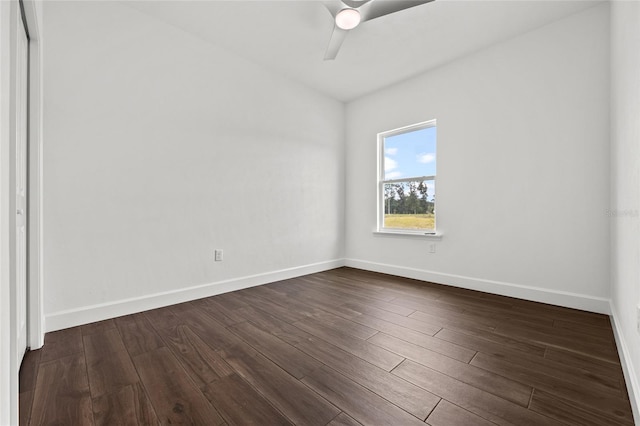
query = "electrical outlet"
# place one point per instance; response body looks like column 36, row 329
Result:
column 218, row 255
column 432, row 248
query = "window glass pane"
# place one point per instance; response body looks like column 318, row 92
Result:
column 410, row 154
column 410, row 205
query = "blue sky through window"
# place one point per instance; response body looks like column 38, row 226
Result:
column 410, row 154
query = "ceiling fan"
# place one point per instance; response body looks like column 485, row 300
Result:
column 348, row 14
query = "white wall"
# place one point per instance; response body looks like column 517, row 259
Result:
column 160, row 148
column 625, row 183
column 523, row 167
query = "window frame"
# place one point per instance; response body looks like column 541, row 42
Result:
column 381, row 182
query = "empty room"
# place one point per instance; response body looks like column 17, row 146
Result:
column 336, row 212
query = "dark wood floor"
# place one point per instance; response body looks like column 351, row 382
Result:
column 342, row 347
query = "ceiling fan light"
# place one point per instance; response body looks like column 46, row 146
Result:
column 348, row 19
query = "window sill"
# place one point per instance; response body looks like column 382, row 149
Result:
column 437, row 236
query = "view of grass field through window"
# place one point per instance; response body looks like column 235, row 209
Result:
column 408, row 181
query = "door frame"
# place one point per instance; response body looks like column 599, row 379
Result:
column 35, row 321
column 9, row 364
column 20, row 174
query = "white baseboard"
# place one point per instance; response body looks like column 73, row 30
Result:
column 536, row 294
column 87, row 314
column 630, row 377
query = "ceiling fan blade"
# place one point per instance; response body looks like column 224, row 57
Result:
column 337, row 37
column 333, row 6
column 355, row 3
column 375, row 9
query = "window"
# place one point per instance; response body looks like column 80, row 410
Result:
column 407, row 179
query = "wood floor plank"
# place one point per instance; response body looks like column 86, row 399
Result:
column 313, row 299
column 27, row 384
column 352, row 287
column 231, row 299
column 460, row 317
column 376, row 355
column 405, row 395
column 586, row 362
column 389, row 284
column 572, row 343
column 329, row 319
column 108, row 363
column 270, row 324
column 284, row 312
column 339, row 293
column 29, row 370
column 349, row 329
column 504, row 315
column 61, row 343
column 410, row 323
column 207, row 328
column 343, row 419
column 482, row 379
column 577, row 332
column 574, row 389
column 360, row 403
column 241, row 404
column 346, row 326
column 62, row 392
column 427, row 304
column 490, row 342
column 176, row 399
column 570, row 412
column 218, row 310
column 448, row 414
column 455, row 322
column 199, row 360
column 162, row 318
column 604, row 332
column 25, row 401
column 425, row 340
column 98, row 326
column 479, row 402
column 301, row 309
column 448, row 310
column 298, row 403
column 607, row 383
column 382, row 288
column 488, row 312
column 472, row 299
column 127, row 406
column 544, row 310
column 137, row 334
column 286, row 356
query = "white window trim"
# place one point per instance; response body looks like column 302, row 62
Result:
column 381, row 230
column 409, row 233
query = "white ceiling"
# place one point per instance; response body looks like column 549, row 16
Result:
column 290, row 37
